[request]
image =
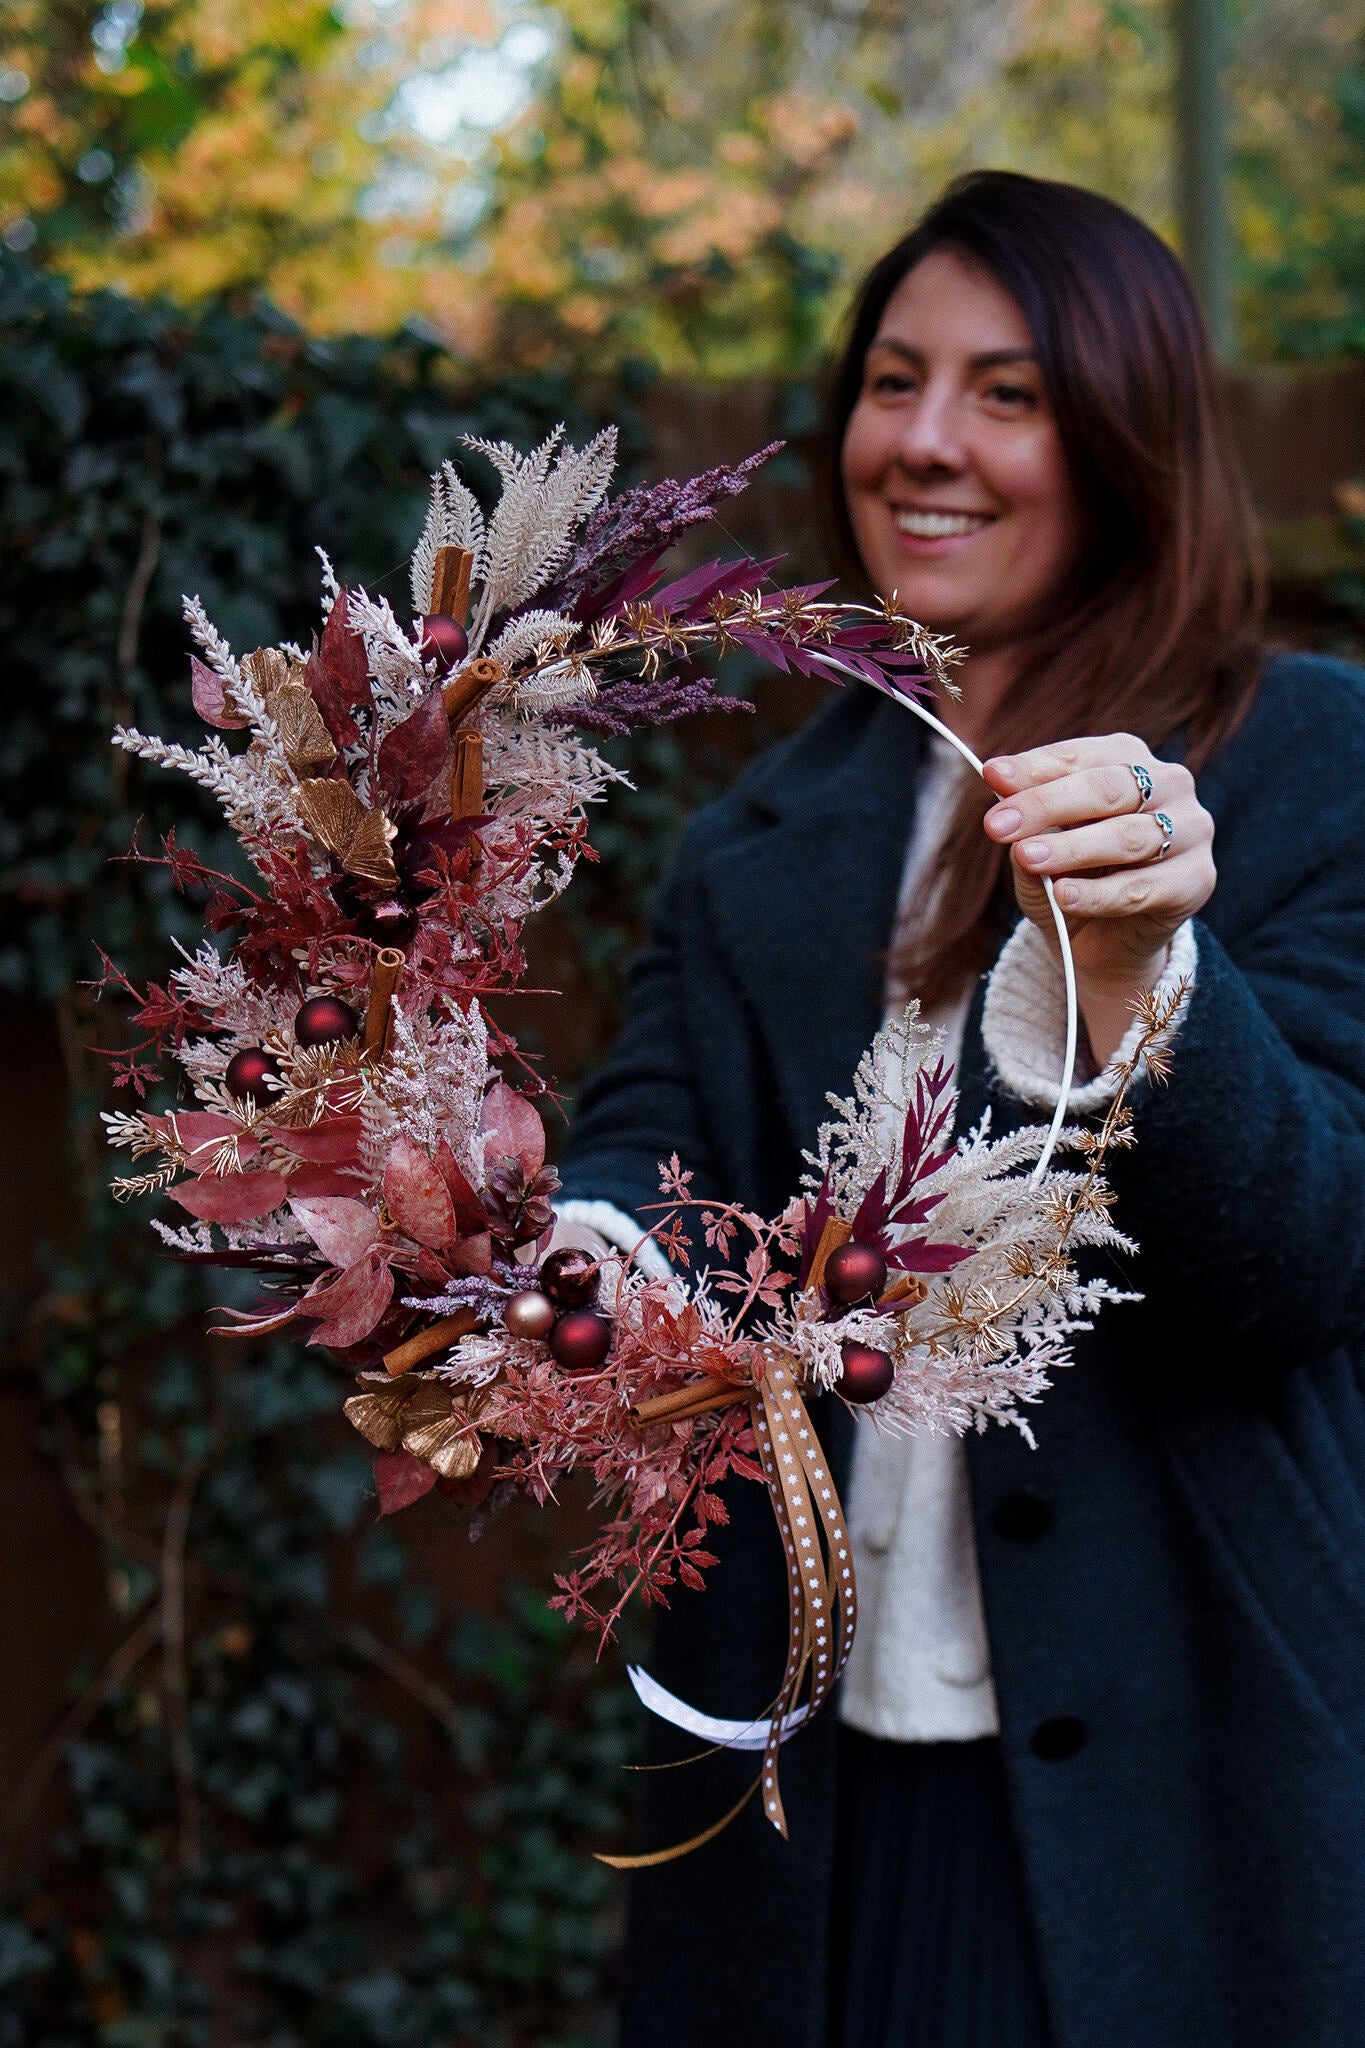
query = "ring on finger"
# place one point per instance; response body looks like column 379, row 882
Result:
column 1143, row 781
column 1167, row 834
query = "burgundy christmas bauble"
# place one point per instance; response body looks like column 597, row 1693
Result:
column 854, row 1272
column 443, row 640
column 580, row 1340
column 528, row 1314
column 867, row 1374
column 570, row 1277
column 249, row 1071
column 323, row 1020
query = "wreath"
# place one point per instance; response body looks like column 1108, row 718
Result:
column 359, row 1132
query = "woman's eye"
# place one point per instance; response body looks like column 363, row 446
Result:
column 1015, row 396
column 891, row 383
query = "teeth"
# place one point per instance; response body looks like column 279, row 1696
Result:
column 939, row 525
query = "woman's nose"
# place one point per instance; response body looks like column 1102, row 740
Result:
column 931, row 441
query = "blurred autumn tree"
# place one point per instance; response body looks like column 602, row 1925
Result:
column 684, row 183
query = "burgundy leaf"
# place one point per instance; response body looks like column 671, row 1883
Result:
column 468, row 1208
column 210, row 698
column 415, row 752
column 919, row 1257
column 338, row 674
column 400, row 1479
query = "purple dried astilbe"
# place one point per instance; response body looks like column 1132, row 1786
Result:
column 632, row 531
column 636, row 701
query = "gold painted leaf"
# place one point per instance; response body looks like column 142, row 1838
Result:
column 306, row 740
column 450, row 1447
column 378, row 1417
column 368, row 854
column 266, row 669
column 332, row 812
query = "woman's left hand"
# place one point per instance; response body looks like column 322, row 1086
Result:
column 1077, row 812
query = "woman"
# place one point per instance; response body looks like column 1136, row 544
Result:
column 1098, row 1775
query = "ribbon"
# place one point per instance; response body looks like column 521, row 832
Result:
column 821, row 1603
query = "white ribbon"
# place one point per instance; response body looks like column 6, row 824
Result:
column 708, row 1727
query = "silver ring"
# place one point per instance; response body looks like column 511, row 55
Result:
column 1143, row 781
column 1167, row 834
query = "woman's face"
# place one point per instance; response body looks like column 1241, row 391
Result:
column 957, row 488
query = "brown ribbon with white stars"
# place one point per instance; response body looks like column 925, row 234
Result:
column 821, row 1596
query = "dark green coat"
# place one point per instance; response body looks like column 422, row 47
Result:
column 1175, row 1579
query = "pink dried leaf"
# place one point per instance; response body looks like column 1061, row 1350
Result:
column 417, row 1197
column 334, row 1142
column 350, row 1304
column 512, row 1129
column 341, row 1228
column 210, row 698
column 231, row 1197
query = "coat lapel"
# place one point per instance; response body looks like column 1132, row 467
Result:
column 803, row 908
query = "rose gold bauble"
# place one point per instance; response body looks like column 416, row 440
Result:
column 867, row 1373
column 529, row 1314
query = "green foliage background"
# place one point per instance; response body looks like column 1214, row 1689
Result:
column 311, row 1799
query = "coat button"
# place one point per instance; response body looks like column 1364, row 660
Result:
column 1022, row 1517
column 1057, row 1738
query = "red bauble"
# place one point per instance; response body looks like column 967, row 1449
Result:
column 248, row 1072
column 323, row 1020
column 528, row 1314
column 570, row 1277
column 580, row 1340
column 855, row 1272
column 867, row 1374
column 443, row 640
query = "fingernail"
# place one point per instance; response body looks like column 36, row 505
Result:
column 1034, row 851
column 1067, row 894
column 1006, row 820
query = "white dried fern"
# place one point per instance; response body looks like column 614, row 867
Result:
column 454, row 520
column 545, row 495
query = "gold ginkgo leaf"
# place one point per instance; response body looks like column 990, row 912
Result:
column 333, row 814
column 378, row 1417
column 266, row 669
column 305, row 739
column 450, row 1447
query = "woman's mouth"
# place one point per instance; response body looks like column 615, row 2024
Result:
column 939, row 525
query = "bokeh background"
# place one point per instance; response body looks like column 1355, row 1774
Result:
column 277, row 1775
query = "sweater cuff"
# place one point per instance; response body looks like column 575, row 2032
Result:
column 620, row 1230
column 1023, row 1023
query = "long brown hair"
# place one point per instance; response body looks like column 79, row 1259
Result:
column 1162, row 635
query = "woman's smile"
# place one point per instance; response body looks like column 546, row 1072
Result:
column 930, row 530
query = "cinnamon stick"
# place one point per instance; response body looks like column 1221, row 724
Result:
column 835, row 1233
column 450, row 583
column 699, row 1399
column 463, row 691
column 435, row 1337
column 388, row 970
column 906, row 1288
column 466, row 775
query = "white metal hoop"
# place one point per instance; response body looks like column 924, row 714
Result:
column 1063, row 936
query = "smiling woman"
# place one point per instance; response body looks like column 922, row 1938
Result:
column 1098, row 1780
